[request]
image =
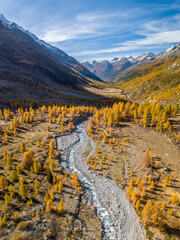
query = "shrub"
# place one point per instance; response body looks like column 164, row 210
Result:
column 22, row 225
column 175, row 199
column 16, row 216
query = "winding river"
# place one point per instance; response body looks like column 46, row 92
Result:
column 119, row 221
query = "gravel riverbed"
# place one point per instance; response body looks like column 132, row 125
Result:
column 103, row 192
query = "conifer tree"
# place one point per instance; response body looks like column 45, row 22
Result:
column 51, row 194
column 137, row 206
column 37, row 186
column 5, row 153
column 9, row 162
column 61, row 207
column 147, row 158
column 27, row 160
column 50, row 177
column 60, row 187
column 23, row 147
column 3, row 183
column 36, row 166
column 22, row 189
column 48, row 205
column 145, row 119
column 46, row 198
column 7, row 199
column 51, row 165
column 152, row 186
column 166, row 181
column 147, row 212
column 11, row 191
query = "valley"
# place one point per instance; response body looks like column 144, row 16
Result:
column 87, row 151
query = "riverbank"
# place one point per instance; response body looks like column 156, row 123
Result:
column 124, row 219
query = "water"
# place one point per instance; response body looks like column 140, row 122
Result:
column 89, row 188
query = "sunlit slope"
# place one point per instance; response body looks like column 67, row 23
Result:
column 156, row 81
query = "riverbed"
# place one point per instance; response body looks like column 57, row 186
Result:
column 117, row 215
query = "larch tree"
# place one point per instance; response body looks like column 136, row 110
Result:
column 22, row 189
column 61, row 208
column 7, row 199
column 3, row 183
column 147, row 159
column 37, row 186
column 27, row 160
column 11, row 191
column 61, row 187
column 23, row 147
column 49, row 205
column 9, row 162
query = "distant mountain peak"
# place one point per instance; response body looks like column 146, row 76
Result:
column 115, row 59
column 94, row 62
column 4, row 21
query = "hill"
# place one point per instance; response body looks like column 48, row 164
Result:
column 156, row 81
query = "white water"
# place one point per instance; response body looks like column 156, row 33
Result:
column 102, row 213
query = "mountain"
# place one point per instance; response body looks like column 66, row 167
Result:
column 150, row 61
column 30, row 67
column 107, row 70
column 155, row 81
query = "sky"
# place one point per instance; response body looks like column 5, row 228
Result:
column 99, row 29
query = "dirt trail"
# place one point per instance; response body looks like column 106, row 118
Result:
column 124, row 219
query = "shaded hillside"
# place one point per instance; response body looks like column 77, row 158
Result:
column 30, row 67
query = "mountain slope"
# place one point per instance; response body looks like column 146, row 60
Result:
column 136, row 70
column 122, row 69
column 30, row 67
column 155, row 81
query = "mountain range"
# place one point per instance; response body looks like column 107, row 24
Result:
column 116, row 68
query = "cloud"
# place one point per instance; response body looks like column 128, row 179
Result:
column 91, row 24
column 84, row 25
column 150, row 41
column 94, row 16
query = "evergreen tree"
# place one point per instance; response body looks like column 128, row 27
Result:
column 50, row 177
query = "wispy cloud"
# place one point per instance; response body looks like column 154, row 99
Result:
column 92, row 24
column 85, row 25
column 150, row 41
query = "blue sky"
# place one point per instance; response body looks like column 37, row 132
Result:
column 99, row 29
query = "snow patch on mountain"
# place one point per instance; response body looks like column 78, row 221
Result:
column 12, row 25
